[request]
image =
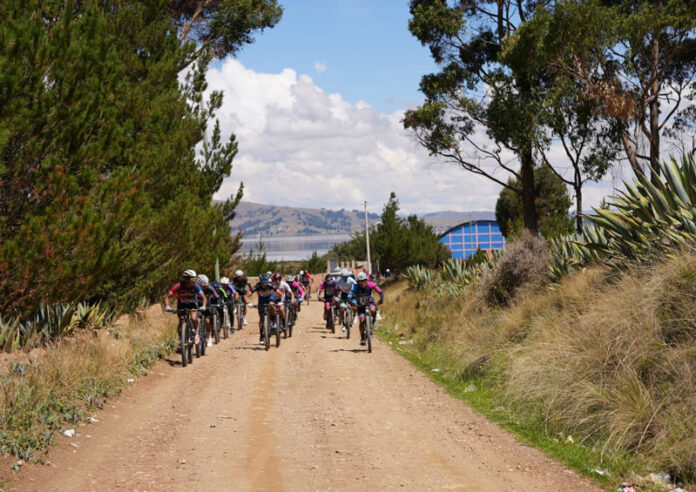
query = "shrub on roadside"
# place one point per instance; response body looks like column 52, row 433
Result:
column 525, row 261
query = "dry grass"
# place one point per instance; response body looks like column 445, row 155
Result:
column 41, row 394
column 610, row 360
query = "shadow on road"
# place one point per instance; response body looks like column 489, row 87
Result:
column 355, row 351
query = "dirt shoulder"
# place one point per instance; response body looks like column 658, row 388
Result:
column 318, row 413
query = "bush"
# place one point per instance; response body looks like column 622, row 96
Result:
column 524, row 261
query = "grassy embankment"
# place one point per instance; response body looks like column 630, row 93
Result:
column 599, row 372
column 57, row 386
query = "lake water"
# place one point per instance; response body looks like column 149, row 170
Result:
column 293, row 248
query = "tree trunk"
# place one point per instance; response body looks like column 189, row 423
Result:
column 578, row 207
column 530, row 215
column 655, row 113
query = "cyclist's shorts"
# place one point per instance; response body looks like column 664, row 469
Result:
column 186, row 305
column 263, row 302
column 243, row 291
column 328, row 300
column 363, row 309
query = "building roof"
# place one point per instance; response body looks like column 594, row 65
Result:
column 477, row 221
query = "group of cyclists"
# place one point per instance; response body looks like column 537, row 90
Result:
column 276, row 295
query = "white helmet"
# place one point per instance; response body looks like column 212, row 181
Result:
column 336, row 271
column 345, row 272
column 239, row 273
column 202, row 280
column 361, row 276
column 224, row 281
column 301, row 272
column 189, row 274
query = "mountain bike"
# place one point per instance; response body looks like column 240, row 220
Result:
column 290, row 317
column 270, row 328
column 331, row 318
column 347, row 319
column 226, row 319
column 186, row 333
column 368, row 331
column 305, row 287
column 239, row 311
column 215, row 322
column 202, row 331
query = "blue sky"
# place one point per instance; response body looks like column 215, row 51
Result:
column 317, row 103
column 366, row 47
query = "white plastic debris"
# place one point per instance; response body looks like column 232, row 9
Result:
column 69, row 433
column 601, row 472
column 131, row 380
column 92, row 420
column 435, row 370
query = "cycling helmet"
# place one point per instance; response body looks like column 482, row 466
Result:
column 361, row 276
column 301, row 272
column 189, row 274
column 224, row 281
column 336, row 271
column 345, row 272
column 239, row 273
column 276, row 276
column 264, row 277
column 289, row 278
column 269, row 273
column 202, row 280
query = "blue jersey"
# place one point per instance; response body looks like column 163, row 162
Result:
column 346, row 285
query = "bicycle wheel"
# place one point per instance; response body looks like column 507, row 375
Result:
column 225, row 322
column 190, row 334
column 200, row 329
column 286, row 323
column 292, row 322
column 276, row 329
column 266, row 334
column 368, row 331
column 349, row 321
column 182, row 343
column 240, row 315
column 216, row 327
column 332, row 317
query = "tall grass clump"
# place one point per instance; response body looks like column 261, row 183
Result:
column 59, row 386
column 608, row 358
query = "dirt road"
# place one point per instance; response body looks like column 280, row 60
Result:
column 318, row 413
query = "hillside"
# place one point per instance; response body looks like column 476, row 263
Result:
column 270, row 220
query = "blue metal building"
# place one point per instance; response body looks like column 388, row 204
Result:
column 465, row 239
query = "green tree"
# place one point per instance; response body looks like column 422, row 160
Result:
column 551, row 201
column 221, row 27
column 635, row 59
column 477, row 92
column 396, row 242
column 102, row 195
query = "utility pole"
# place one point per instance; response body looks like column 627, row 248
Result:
column 217, row 261
column 367, row 240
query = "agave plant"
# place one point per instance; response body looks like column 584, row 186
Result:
column 418, row 276
column 646, row 220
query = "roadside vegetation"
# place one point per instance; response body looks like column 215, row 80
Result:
column 56, row 388
column 587, row 341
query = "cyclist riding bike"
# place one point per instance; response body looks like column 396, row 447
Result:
column 267, row 299
column 305, row 278
column 230, row 294
column 189, row 295
column 331, row 290
column 362, row 301
column 215, row 302
column 283, row 287
column 243, row 287
column 297, row 290
column 345, row 284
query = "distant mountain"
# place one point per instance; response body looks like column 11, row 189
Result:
column 270, row 220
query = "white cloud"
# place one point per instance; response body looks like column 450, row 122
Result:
column 320, row 66
column 302, row 147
